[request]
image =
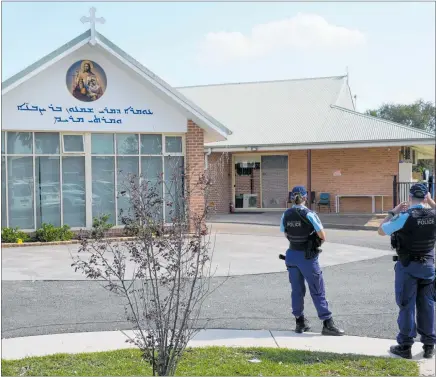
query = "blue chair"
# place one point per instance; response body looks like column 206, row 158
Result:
column 324, row 200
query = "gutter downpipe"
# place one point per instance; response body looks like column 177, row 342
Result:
column 206, row 160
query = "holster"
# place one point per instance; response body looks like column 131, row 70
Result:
column 312, row 249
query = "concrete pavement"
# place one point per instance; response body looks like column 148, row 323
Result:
column 42, row 295
column 17, row 348
column 329, row 220
column 244, row 250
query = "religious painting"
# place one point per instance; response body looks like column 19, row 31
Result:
column 86, row 80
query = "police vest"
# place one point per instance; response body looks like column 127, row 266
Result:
column 418, row 235
column 297, row 228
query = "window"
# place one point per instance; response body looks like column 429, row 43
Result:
column 73, row 144
column 152, row 174
column 20, row 142
column 126, row 168
column 46, row 143
column 44, row 176
column 20, row 192
column 151, row 144
column 102, row 143
column 4, row 217
column 103, row 187
column 73, row 191
column 174, row 169
column 127, row 144
column 173, row 144
column 48, row 190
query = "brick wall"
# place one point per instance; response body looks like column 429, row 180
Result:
column 194, row 167
column 219, row 166
column 363, row 171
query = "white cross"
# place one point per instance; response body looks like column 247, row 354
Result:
column 92, row 20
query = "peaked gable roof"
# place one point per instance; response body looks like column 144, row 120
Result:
column 300, row 113
column 198, row 115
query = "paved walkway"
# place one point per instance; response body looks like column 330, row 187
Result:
column 17, row 348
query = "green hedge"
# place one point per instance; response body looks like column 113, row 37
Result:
column 51, row 233
column 12, row 235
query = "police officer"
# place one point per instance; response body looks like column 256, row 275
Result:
column 413, row 227
column 298, row 223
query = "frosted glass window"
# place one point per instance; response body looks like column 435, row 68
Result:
column 47, row 142
column 20, row 191
column 73, row 191
column 126, row 167
column 151, row 144
column 73, row 143
column 48, row 195
column 173, row 144
column 152, row 174
column 20, row 142
column 103, row 187
column 102, row 143
column 173, row 187
column 127, row 144
column 3, row 191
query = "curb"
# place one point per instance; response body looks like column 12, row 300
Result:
column 72, row 242
column 73, row 343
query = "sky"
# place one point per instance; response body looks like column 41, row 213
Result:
column 387, row 48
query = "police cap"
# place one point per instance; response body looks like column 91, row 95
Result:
column 299, row 190
column 418, row 190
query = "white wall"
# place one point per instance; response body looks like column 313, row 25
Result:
column 124, row 88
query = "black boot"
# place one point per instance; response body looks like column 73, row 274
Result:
column 428, row 351
column 329, row 328
column 302, row 325
column 404, row 351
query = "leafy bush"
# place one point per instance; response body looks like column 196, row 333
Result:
column 12, row 235
column 51, row 233
column 100, row 226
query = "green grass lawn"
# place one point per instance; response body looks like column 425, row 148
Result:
column 214, row 361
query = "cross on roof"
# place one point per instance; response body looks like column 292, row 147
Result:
column 92, row 20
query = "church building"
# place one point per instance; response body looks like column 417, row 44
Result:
column 76, row 118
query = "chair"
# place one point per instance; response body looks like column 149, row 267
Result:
column 324, row 200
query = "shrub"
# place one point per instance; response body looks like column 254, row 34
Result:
column 12, row 235
column 51, row 233
column 100, row 226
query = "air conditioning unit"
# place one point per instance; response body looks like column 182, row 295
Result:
column 250, row 201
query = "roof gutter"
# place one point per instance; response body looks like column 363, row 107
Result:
column 349, row 145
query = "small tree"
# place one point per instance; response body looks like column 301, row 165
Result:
column 164, row 270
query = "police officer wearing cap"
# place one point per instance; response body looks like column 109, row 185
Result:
column 412, row 228
column 298, row 223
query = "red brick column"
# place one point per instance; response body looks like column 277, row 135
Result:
column 194, row 169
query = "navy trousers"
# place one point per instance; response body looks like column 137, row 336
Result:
column 300, row 270
column 414, row 296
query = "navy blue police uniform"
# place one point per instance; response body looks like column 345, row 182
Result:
column 413, row 235
column 298, row 223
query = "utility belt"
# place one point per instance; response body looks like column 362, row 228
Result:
column 403, row 257
column 406, row 259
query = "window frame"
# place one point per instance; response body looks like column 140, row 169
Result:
column 64, row 152
column 88, row 155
